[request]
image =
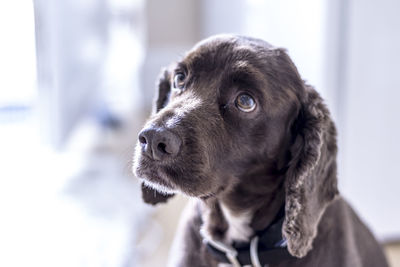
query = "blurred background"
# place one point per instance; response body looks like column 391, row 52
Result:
column 76, row 84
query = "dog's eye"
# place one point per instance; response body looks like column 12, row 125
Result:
column 245, row 103
column 179, row 81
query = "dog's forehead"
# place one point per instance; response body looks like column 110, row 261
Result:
column 214, row 62
column 222, row 55
column 223, row 51
column 232, row 40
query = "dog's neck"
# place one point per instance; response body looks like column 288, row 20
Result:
column 246, row 208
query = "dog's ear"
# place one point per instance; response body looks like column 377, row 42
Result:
column 311, row 182
column 163, row 89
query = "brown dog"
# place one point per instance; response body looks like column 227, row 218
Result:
column 237, row 129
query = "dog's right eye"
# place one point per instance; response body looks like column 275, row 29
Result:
column 245, row 103
column 179, row 81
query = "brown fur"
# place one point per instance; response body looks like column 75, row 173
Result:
column 282, row 153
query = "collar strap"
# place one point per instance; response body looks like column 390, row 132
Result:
column 267, row 247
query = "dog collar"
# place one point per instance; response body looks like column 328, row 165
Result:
column 267, row 247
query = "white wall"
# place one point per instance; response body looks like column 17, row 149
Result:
column 69, row 44
column 17, row 53
column 371, row 126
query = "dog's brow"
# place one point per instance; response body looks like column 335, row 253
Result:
column 180, row 66
column 245, row 67
column 246, row 72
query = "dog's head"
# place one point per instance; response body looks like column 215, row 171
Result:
column 230, row 105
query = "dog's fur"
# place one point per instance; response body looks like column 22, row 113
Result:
column 241, row 167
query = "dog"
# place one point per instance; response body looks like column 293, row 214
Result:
column 235, row 128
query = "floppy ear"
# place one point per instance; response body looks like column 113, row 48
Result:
column 163, row 89
column 311, row 182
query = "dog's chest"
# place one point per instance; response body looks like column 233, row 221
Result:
column 238, row 225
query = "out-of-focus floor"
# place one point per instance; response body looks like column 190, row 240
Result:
column 79, row 206
column 393, row 253
column 167, row 217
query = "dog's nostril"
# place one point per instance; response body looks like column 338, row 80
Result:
column 142, row 139
column 162, row 147
column 159, row 143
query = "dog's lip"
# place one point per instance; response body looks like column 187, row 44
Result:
column 149, row 160
column 159, row 187
column 150, row 175
column 147, row 173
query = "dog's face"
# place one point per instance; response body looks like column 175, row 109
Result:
column 226, row 108
column 232, row 107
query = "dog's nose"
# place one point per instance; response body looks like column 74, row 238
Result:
column 159, row 143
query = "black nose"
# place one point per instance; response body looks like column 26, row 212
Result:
column 159, row 143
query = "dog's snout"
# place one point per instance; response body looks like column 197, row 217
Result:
column 159, row 143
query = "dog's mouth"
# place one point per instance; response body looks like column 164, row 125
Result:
column 186, row 175
column 151, row 175
column 166, row 179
